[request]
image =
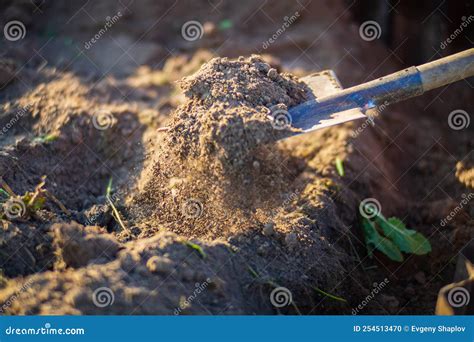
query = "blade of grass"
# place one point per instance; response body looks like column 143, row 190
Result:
column 117, row 216
column 252, row 272
column 340, row 167
column 6, row 187
column 116, row 213
column 108, row 190
column 46, row 138
column 197, row 248
column 340, row 299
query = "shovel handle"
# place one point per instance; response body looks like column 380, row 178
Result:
column 396, row 87
column 447, row 70
column 405, row 84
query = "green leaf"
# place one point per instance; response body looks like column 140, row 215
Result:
column 407, row 240
column 374, row 240
column 4, row 193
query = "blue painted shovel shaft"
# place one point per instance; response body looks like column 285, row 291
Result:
column 386, row 90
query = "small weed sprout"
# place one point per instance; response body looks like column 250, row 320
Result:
column 391, row 236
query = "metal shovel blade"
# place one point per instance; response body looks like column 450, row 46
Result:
column 325, row 113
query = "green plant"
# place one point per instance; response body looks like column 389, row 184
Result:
column 197, row 248
column 225, row 24
column 47, row 138
column 340, row 167
column 115, row 213
column 392, row 237
column 327, row 294
column 4, row 194
column 30, row 202
column 22, row 206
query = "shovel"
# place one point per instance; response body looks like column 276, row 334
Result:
column 333, row 105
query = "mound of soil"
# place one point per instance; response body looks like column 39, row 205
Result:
column 229, row 111
column 79, row 246
column 218, row 175
column 219, row 151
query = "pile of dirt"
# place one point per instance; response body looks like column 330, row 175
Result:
column 232, row 109
column 160, row 275
column 78, row 246
column 255, row 208
column 219, row 151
